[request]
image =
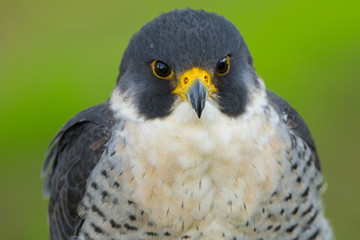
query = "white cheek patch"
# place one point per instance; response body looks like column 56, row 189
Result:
column 123, row 108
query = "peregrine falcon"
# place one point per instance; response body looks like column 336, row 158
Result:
column 190, row 145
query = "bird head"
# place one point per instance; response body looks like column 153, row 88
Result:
column 189, row 56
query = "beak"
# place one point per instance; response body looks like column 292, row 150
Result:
column 197, row 96
column 195, row 86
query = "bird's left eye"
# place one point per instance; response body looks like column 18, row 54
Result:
column 223, row 66
column 161, row 70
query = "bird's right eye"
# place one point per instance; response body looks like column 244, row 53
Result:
column 161, row 70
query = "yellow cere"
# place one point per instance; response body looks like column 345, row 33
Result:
column 188, row 77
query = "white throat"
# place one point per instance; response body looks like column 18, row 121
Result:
column 189, row 169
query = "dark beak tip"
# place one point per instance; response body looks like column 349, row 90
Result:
column 197, row 97
column 197, row 107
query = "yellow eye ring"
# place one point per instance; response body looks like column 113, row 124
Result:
column 161, row 69
column 223, row 66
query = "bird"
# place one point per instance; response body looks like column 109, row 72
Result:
column 189, row 145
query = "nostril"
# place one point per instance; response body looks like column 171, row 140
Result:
column 186, row 80
column 206, row 78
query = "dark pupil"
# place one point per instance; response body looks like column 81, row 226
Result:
column 222, row 65
column 162, row 69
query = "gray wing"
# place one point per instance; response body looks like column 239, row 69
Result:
column 72, row 155
column 295, row 122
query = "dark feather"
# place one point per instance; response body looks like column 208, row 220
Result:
column 295, row 122
column 72, row 155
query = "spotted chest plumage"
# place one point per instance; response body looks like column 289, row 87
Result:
column 184, row 185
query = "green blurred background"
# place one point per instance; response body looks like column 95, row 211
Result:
column 58, row 57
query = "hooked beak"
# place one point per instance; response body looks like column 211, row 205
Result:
column 195, row 86
column 197, row 96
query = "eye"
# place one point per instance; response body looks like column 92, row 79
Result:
column 223, row 66
column 161, row 70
